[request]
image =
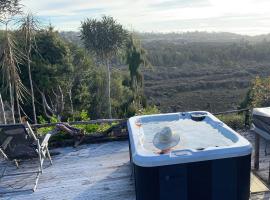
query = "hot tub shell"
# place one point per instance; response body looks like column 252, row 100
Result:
column 261, row 121
column 215, row 173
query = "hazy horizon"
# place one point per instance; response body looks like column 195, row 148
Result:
column 246, row 17
column 184, row 32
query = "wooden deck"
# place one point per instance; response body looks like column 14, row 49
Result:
column 94, row 172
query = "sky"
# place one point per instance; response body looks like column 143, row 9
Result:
column 249, row 17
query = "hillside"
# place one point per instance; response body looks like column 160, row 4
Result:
column 200, row 70
column 197, row 87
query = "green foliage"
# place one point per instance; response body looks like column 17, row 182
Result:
column 258, row 94
column 93, row 128
column 54, row 119
column 58, row 63
column 41, row 119
column 88, row 128
column 149, row 110
column 104, row 37
column 121, row 96
column 235, row 121
column 43, row 131
column 95, row 91
column 51, row 62
column 135, row 56
column 82, row 116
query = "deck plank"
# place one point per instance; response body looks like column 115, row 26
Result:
column 95, row 172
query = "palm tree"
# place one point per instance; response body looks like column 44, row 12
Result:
column 104, row 38
column 9, row 65
column 10, row 57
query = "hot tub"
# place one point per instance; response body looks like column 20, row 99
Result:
column 261, row 121
column 211, row 161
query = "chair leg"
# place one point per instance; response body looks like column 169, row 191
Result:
column 36, row 182
column 40, row 157
column 3, row 154
column 48, row 154
column 16, row 163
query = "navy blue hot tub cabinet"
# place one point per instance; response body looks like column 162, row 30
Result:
column 212, row 173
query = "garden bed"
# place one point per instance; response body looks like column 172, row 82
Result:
column 95, row 132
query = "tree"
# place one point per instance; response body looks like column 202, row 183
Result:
column 258, row 94
column 51, row 71
column 135, row 57
column 9, row 56
column 28, row 30
column 104, row 38
column 9, row 65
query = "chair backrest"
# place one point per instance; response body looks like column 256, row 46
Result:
column 17, row 142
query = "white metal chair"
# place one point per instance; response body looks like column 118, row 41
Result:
column 18, row 141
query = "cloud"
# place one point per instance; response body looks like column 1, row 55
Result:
column 159, row 15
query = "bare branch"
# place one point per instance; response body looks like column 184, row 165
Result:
column 44, row 101
column 8, row 9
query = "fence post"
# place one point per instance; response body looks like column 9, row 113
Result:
column 247, row 116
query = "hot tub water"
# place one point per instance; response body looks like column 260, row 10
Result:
column 196, row 135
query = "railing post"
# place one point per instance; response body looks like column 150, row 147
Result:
column 247, row 116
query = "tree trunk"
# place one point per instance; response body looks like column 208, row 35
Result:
column 109, row 89
column 18, row 109
column 3, row 110
column 11, row 101
column 11, row 94
column 31, row 87
column 71, row 103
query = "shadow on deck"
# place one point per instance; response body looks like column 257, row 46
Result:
column 96, row 172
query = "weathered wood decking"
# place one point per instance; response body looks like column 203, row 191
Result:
column 94, row 172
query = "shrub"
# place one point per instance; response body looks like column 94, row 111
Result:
column 88, row 128
column 43, row 131
column 258, row 94
column 93, row 128
column 82, row 116
column 148, row 110
column 235, row 121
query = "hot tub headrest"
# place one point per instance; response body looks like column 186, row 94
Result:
column 265, row 112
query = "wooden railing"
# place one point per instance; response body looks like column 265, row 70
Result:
column 121, row 127
column 246, row 111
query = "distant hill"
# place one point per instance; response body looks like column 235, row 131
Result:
column 185, row 37
column 188, row 37
column 72, row 36
column 191, row 37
